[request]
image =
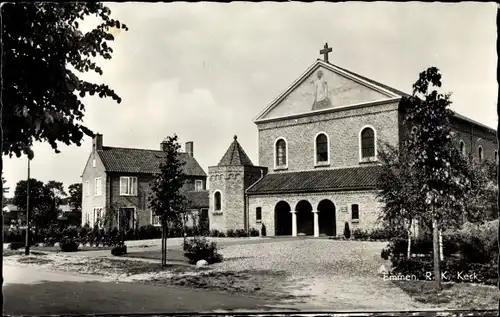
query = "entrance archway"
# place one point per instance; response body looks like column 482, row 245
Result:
column 282, row 219
column 305, row 218
column 326, row 218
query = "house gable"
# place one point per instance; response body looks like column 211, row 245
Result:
column 325, row 87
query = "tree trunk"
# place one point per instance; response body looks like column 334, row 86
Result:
column 408, row 255
column 435, row 243
column 164, row 243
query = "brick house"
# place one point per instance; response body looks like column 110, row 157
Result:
column 121, row 177
column 318, row 157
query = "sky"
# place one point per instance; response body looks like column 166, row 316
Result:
column 205, row 70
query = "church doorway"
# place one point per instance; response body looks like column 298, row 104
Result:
column 326, row 218
column 282, row 219
column 305, row 218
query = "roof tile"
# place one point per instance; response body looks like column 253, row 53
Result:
column 141, row 161
column 353, row 178
column 235, row 156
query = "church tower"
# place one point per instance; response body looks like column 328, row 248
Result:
column 228, row 183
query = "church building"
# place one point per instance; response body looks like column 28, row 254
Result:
column 318, row 164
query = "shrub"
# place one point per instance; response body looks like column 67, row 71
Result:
column 119, row 249
column 69, row 245
column 198, row 248
column 347, row 231
column 240, row 233
column 217, row 234
column 254, row 232
column 264, row 231
column 231, row 233
column 16, row 245
column 360, row 234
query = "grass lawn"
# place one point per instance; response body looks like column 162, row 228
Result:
column 453, row 295
column 172, row 255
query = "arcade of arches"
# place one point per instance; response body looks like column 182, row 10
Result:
column 305, row 219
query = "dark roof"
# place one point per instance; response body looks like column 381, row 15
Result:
column 353, row 178
column 235, row 156
column 197, row 199
column 140, row 161
column 404, row 94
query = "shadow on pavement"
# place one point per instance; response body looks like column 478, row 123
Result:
column 92, row 297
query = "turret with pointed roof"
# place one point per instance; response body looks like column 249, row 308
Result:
column 235, row 156
column 228, row 183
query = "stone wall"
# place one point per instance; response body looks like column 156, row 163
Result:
column 369, row 208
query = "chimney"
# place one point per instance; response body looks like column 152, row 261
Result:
column 189, row 148
column 163, row 146
column 97, row 142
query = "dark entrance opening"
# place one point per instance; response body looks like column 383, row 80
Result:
column 283, row 219
column 326, row 218
column 127, row 218
column 305, row 218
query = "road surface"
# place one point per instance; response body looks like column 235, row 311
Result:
column 28, row 291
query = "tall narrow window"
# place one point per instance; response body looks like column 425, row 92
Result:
column 321, row 148
column 97, row 189
column 217, row 201
column 280, row 153
column 258, row 214
column 462, row 147
column 355, row 212
column 480, row 153
column 367, row 143
column 87, row 188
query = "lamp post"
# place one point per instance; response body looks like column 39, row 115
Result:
column 27, row 243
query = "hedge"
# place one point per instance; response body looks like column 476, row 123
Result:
column 97, row 237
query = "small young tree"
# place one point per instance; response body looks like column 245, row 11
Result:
column 399, row 185
column 166, row 199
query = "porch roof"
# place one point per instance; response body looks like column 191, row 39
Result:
column 344, row 179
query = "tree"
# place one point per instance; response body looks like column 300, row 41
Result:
column 75, row 196
column 435, row 156
column 399, row 185
column 55, row 194
column 38, row 198
column 166, row 199
column 43, row 50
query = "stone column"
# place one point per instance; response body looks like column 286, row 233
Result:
column 294, row 223
column 316, row 223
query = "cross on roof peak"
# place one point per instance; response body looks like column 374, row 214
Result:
column 325, row 52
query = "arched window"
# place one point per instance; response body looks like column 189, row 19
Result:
column 462, row 147
column 217, row 201
column 321, row 148
column 480, row 153
column 281, row 153
column 367, row 143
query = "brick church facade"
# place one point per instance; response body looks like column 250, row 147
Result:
column 318, row 164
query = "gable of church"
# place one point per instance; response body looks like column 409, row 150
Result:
column 323, row 87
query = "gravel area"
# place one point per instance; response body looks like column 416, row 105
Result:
column 328, row 273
